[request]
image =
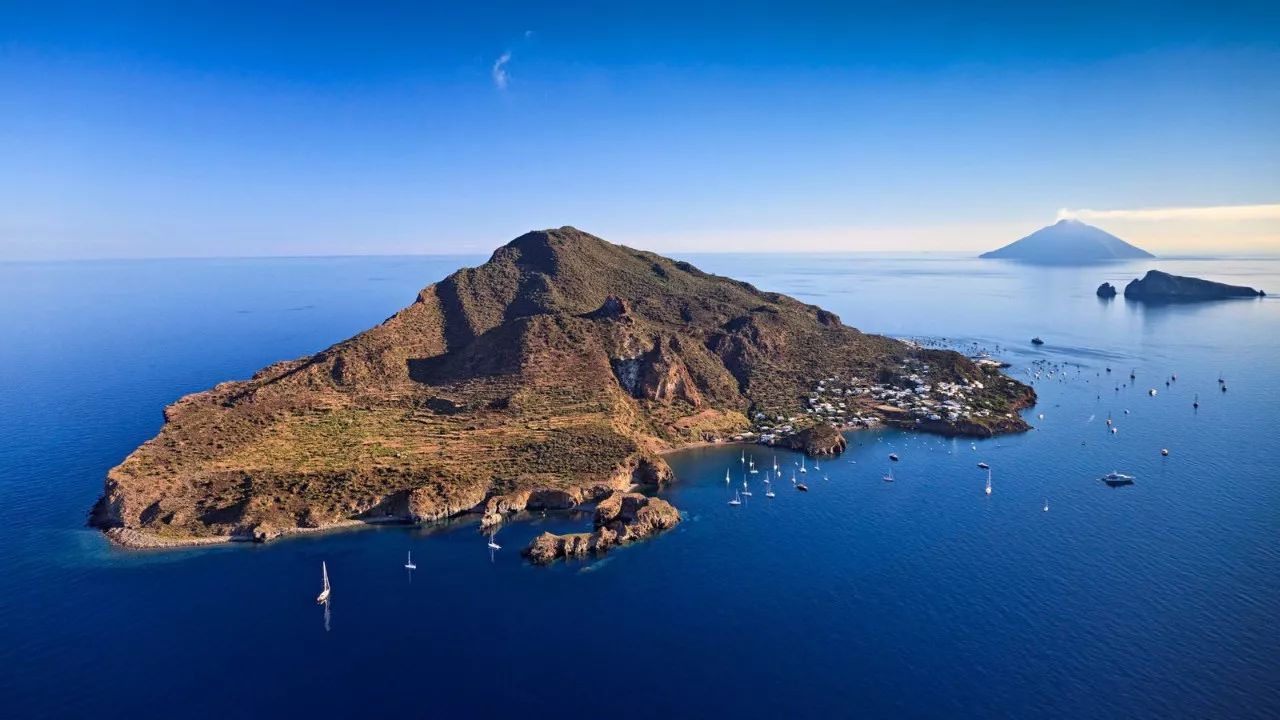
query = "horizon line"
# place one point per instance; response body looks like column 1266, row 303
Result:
column 1193, row 255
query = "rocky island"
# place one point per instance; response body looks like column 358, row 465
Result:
column 1162, row 287
column 554, row 375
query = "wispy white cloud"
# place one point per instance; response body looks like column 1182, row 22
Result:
column 1212, row 212
column 501, row 78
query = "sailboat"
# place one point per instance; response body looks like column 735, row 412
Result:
column 768, row 489
column 775, row 463
column 751, row 465
column 746, row 492
column 889, row 477
column 988, row 482
column 802, row 467
column 409, row 563
column 726, row 476
column 737, row 500
column 493, row 545
column 815, row 463
column 1196, row 403
column 323, row 597
column 1046, row 504
column 743, row 459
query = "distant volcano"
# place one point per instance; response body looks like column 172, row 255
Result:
column 1068, row 242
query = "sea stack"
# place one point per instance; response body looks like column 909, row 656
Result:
column 1162, row 287
column 1068, row 242
column 1106, row 290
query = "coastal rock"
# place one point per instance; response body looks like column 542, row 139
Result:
column 1106, row 290
column 620, row 518
column 1161, row 286
column 821, row 439
column 555, row 373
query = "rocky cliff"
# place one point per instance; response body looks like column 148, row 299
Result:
column 553, row 375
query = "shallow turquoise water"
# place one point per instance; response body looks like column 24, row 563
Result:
column 920, row 598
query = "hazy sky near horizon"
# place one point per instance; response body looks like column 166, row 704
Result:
column 216, row 129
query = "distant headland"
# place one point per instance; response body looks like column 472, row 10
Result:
column 553, row 376
column 1068, row 242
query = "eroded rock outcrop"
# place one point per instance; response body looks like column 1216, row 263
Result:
column 620, row 518
column 1106, row 290
column 821, row 439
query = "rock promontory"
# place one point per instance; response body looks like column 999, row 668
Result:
column 555, row 375
column 620, row 518
column 1163, row 287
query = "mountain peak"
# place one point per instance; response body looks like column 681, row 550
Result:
column 1068, row 241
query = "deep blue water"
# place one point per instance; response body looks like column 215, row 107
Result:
column 921, row 598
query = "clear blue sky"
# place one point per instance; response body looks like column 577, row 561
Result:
column 180, row 129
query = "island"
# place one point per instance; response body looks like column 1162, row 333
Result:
column 554, row 376
column 1106, row 290
column 1068, row 242
column 1158, row 286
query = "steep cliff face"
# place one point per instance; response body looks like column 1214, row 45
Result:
column 555, row 373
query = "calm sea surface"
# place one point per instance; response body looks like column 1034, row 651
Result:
column 921, row 598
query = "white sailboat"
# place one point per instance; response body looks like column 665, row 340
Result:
column 323, row 597
column 1046, row 504
column 743, row 459
column 815, row 463
column 768, row 489
column 751, row 465
column 889, row 477
column 737, row 500
column 408, row 564
column 746, row 492
column 726, row 476
column 492, row 544
column 802, row 467
column 775, row 463
column 988, row 482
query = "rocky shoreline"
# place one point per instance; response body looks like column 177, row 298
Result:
column 494, row 509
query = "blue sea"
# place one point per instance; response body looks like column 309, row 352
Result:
column 923, row 598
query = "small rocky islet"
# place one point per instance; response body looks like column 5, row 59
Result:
column 1157, row 286
column 554, row 376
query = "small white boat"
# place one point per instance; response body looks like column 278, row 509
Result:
column 1046, row 505
column 769, row 491
column 493, row 545
column 815, row 464
column 889, row 477
column 984, row 466
column 988, row 482
column 726, row 476
column 802, row 467
column 746, row 492
column 323, row 597
column 409, row 563
column 1116, row 479
column 893, row 457
column 775, row 464
column 737, row 500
